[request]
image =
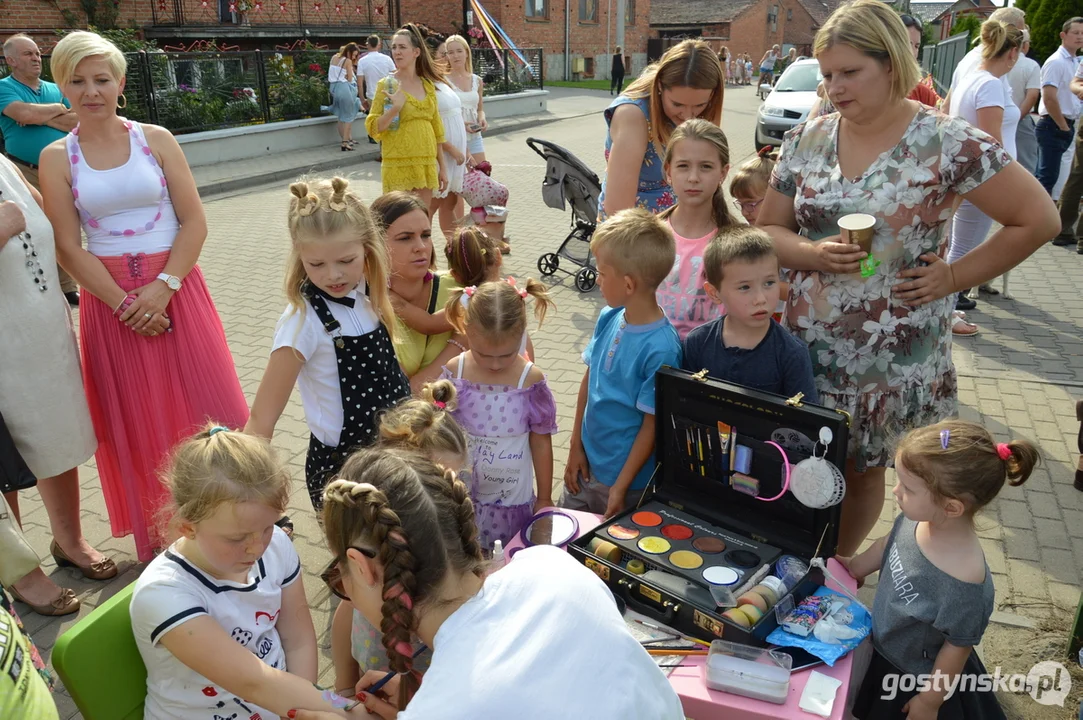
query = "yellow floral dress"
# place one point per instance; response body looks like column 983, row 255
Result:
column 409, row 151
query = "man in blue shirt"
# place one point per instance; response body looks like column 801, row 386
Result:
column 33, row 114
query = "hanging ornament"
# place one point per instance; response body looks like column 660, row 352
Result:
column 379, row 10
column 204, row 4
column 259, row 5
column 338, row 9
column 281, row 6
column 358, row 10
column 233, row 7
column 316, row 6
column 161, row 4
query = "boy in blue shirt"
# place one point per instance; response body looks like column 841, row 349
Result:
column 746, row 346
column 612, row 450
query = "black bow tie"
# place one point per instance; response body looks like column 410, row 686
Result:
column 313, row 290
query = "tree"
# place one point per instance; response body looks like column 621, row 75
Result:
column 970, row 24
column 1045, row 18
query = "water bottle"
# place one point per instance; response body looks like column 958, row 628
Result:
column 391, row 86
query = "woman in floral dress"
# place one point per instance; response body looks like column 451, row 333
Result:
column 686, row 83
column 878, row 327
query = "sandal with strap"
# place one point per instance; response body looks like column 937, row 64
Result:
column 962, row 328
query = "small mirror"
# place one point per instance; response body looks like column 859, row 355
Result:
column 550, row 527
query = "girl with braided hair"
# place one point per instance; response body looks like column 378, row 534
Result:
column 505, row 405
column 423, row 424
column 407, row 556
column 334, row 340
column 220, row 618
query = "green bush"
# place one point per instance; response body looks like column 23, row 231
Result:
column 298, row 96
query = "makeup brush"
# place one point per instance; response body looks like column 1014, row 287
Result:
column 685, row 651
column 385, row 679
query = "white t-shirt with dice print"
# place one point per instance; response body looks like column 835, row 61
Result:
column 171, row 591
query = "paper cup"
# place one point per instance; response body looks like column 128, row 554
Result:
column 858, row 229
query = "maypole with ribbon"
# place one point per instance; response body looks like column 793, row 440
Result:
column 497, row 37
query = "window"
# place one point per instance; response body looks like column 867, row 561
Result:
column 537, row 9
column 629, row 12
column 789, row 14
column 588, row 11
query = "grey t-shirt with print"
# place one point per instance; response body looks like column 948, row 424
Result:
column 918, row 606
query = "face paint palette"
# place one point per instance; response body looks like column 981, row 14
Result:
column 719, row 515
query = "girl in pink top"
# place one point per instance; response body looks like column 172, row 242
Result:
column 696, row 163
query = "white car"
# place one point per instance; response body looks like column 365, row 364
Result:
column 789, row 102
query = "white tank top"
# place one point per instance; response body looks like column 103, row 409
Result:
column 337, row 73
column 124, row 198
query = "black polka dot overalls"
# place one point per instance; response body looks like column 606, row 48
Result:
column 370, row 379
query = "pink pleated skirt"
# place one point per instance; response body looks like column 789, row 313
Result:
column 148, row 393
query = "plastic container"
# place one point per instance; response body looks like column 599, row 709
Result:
column 391, row 86
column 757, row 673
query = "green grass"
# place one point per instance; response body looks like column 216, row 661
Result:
column 581, row 84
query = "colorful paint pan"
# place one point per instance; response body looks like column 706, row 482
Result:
column 646, row 518
column 686, row 560
column 675, row 531
column 743, row 558
column 654, row 545
column 709, row 545
column 720, row 575
column 622, row 532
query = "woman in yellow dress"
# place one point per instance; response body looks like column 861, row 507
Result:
column 406, row 120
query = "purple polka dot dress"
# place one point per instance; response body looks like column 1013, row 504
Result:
column 499, row 420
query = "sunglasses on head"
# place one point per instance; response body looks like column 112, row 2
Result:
column 332, row 575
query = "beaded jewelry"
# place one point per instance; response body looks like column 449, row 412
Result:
column 33, row 266
column 93, row 222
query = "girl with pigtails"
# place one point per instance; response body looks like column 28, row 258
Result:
column 504, row 404
column 335, row 339
column 403, row 535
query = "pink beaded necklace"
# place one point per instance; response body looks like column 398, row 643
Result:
column 90, row 220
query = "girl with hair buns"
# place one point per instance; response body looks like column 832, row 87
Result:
column 945, row 474
column 425, row 425
column 983, row 98
column 410, row 129
column 686, row 83
column 504, row 404
column 877, row 320
column 406, row 552
column 334, row 339
column 156, row 364
column 220, row 618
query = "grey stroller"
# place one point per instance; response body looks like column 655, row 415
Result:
column 569, row 182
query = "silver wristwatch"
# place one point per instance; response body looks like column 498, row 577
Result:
column 172, row 281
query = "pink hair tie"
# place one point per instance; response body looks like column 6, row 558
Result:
column 440, row 404
column 469, row 291
column 1004, row 452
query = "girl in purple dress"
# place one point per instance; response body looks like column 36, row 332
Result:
column 505, row 406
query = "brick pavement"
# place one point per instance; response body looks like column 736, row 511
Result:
column 1019, row 377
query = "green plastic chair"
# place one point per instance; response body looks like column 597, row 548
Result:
column 99, row 663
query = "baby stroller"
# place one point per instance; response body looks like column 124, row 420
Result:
column 569, row 181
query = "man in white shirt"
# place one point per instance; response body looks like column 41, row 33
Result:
column 1073, row 186
column 1025, row 80
column 1059, row 107
column 373, row 67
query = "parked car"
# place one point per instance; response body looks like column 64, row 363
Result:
column 789, row 102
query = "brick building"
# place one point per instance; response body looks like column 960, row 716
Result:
column 743, row 26
column 942, row 15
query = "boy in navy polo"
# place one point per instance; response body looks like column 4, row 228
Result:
column 612, row 450
column 746, row 346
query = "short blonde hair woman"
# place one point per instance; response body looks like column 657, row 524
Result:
column 878, row 323
column 687, row 82
column 155, row 359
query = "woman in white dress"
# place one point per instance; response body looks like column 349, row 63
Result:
column 41, row 390
column 456, row 157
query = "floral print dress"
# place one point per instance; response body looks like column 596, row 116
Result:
column 653, row 193
column 885, row 363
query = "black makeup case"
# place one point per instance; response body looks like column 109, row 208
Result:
column 692, row 488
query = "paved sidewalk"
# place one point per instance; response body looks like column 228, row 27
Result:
column 1020, row 376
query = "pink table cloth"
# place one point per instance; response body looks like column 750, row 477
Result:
column 703, row 704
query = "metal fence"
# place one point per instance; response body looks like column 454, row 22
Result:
column 192, row 92
column 296, row 14
column 940, row 60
